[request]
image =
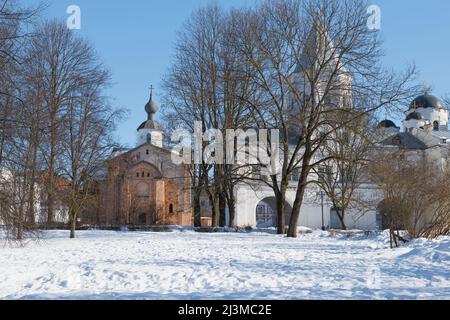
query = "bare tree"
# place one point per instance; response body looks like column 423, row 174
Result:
column 59, row 63
column 56, row 122
column 14, row 21
column 340, row 177
column 207, row 83
column 88, row 122
column 413, row 197
column 19, row 125
column 20, row 176
column 314, row 59
column 14, row 24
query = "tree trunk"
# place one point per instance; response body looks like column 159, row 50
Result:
column 341, row 216
column 31, row 214
column 216, row 211
column 51, row 177
column 293, row 225
column 31, row 209
column 223, row 211
column 197, row 209
column 280, row 196
column 73, row 223
column 50, row 207
column 21, row 215
column 391, row 240
column 232, row 210
column 281, row 207
column 20, row 229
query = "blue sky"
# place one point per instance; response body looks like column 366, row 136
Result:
column 135, row 38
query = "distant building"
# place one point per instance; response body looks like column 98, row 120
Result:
column 142, row 186
column 426, row 135
column 15, row 199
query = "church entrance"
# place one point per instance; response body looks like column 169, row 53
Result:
column 145, row 192
column 267, row 214
column 142, row 220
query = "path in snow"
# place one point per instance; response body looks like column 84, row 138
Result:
column 188, row 265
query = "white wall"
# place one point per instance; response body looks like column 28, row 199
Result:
column 157, row 137
column 247, row 199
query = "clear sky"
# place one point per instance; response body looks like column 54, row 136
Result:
column 135, row 38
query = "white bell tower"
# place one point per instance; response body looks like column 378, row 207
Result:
column 150, row 131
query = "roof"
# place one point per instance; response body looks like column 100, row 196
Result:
column 426, row 101
column 405, row 140
column 138, row 147
column 150, row 124
column 387, row 124
column 441, row 135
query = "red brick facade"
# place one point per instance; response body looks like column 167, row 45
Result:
column 142, row 188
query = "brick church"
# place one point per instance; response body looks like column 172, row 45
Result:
column 142, row 186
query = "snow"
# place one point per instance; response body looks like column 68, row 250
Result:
column 257, row 265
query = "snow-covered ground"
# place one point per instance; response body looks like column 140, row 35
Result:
column 188, row 265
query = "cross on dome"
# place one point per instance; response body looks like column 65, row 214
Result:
column 151, row 107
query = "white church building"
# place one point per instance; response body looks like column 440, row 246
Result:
column 425, row 132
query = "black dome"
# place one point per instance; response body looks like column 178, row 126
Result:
column 414, row 116
column 426, row 101
column 387, row 124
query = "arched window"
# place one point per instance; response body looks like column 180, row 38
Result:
column 149, row 138
column 171, row 208
column 436, row 126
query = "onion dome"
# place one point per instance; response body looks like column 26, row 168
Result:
column 426, row 101
column 387, row 124
column 151, row 108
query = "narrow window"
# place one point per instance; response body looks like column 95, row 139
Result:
column 296, row 175
column 436, row 126
column 171, row 208
column 147, row 152
column 143, row 174
column 148, row 174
